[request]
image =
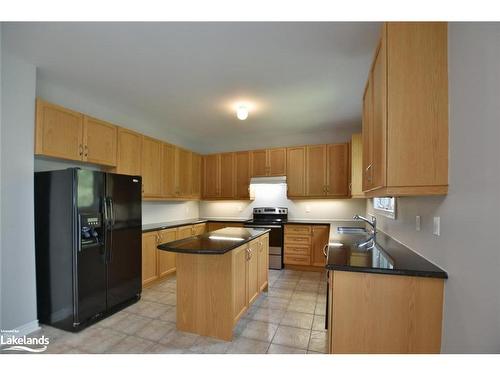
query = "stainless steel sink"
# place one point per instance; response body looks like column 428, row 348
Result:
column 351, row 230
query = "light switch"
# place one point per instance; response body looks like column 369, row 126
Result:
column 437, row 226
column 417, row 223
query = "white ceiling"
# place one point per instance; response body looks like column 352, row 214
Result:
column 306, row 79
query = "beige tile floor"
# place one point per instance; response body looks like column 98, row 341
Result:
column 289, row 318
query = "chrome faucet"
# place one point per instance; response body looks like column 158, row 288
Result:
column 373, row 224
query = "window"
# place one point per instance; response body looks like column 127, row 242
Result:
column 385, row 206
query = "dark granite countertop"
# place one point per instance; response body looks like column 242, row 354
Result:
column 389, row 257
column 179, row 223
column 217, row 242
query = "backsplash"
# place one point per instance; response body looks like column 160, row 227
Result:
column 275, row 195
column 156, row 212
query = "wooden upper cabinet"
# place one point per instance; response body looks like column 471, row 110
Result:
column 242, row 163
column 151, row 167
column 58, row 131
column 405, row 112
column 356, row 166
column 183, row 172
column 378, row 123
column 211, row 170
column 320, row 237
column 99, row 140
column 316, row 163
column 367, row 136
column 270, row 162
column 227, row 171
column 196, row 175
column 259, row 163
column 129, row 152
column 276, row 162
column 168, row 170
column 296, row 171
column 337, row 184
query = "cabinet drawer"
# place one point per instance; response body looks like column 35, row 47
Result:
column 303, row 260
column 297, row 250
column 297, row 240
column 298, row 229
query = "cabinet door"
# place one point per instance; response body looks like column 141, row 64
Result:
column 320, row 237
column 316, row 170
column 166, row 259
column 338, row 170
column 253, row 271
column 227, row 180
column 259, row 163
column 356, row 166
column 58, row 132
column 242, row 161
column 367, row 137
column 277, row 162
column 240, row 299
column 99, row 141
column 151, row 167
column 196, row 176
column 184, row 232
column 379, row 122
column 211, row 164
column 183, row 172
column 149, row 252
column 263, row 270
column 168, row 171
column 296, row 171
column 129, row 152
column 199, row 229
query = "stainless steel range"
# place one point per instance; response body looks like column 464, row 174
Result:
column 272, row 218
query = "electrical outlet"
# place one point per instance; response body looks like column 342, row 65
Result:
column 240, row 208
column 308, row 209
column 437, row 226
column 417, row 223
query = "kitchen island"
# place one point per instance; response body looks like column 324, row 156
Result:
column 219, row 275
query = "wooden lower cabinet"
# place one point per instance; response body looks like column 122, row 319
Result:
column 253, row 271
column 149, row 257
column 240, row 294
column 184, row 232
column 166, row 260
column 214, row 225
column 199, row 229
column 376, row 313
column 304, row 244
column 263, row 262
column 320, row 237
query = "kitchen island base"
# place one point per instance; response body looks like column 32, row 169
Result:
column 214, row 291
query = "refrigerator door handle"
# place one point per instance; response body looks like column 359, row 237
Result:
column 111, row 208
column 78, row 233
column 105, row 206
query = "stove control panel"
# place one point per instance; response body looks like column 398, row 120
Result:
column 271, row 210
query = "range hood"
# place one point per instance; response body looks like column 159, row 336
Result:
column 268, row 180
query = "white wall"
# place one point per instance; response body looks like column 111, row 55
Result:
column 18, row 291
column 468, row 248
column 275, row 195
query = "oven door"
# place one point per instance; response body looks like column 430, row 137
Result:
column 275, row 244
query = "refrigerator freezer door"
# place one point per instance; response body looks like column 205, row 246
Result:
column 90, row 260
column 123, row 193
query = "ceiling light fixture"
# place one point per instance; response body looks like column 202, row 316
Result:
column 242, row 112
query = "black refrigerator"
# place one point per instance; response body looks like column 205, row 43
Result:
column 88, row 245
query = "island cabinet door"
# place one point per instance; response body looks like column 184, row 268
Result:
column 263, row 269
column 240, row 300
column 253, row 271
column 184, row 232
column 166, row 259
column 149, row 267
